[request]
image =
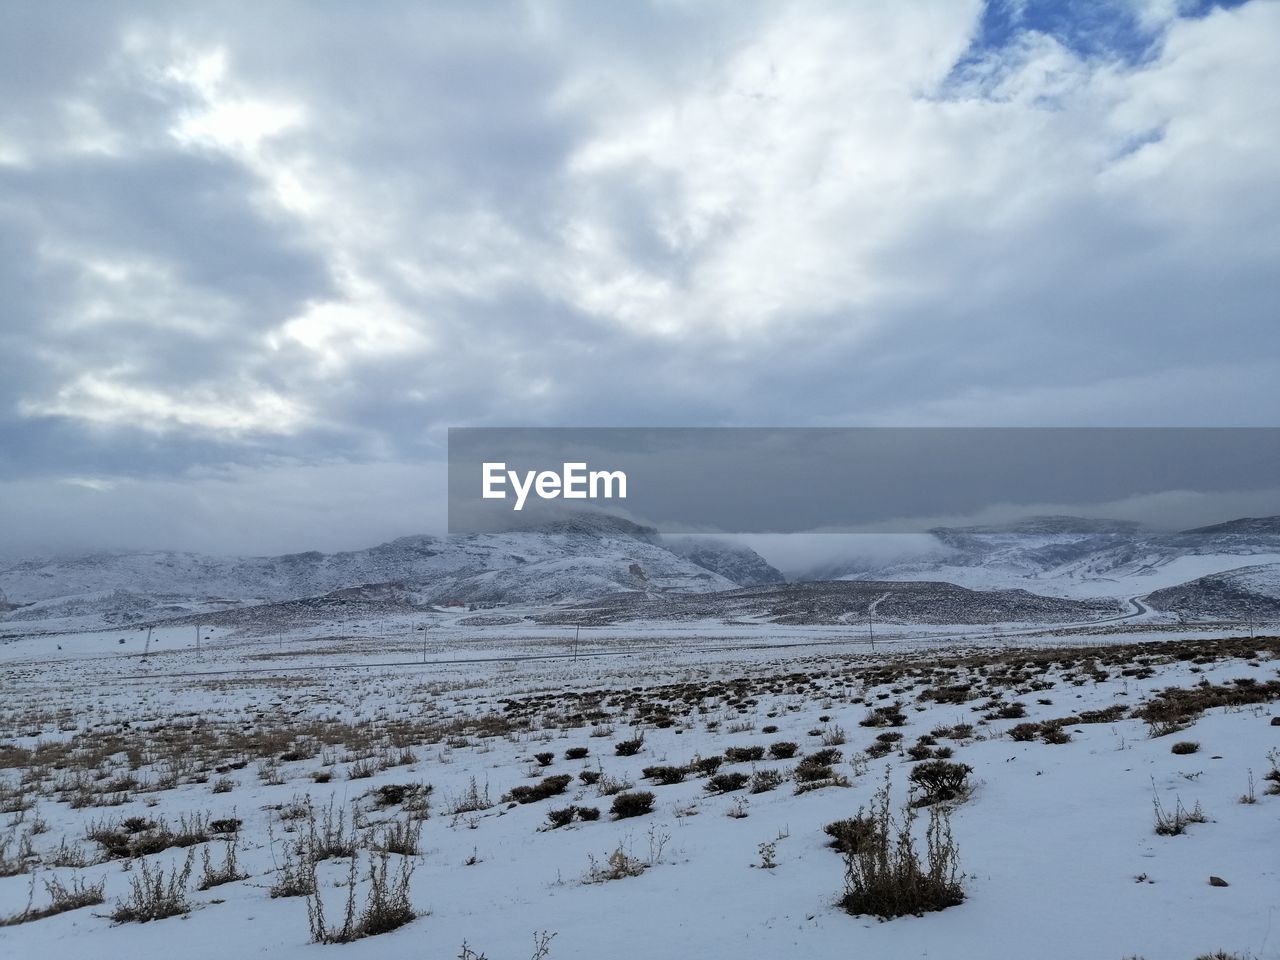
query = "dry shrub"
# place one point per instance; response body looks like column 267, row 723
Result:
column 295, row 876
column 328, row 835
column 62, row 898
column 1176, row 708
column 608, row 786
column 848, row 836
column 387, row 906
column 227, row 872
column 1054, row 733
column 940, row 781
column 664, row 775
column 399, row 836
column 155, row 894
column 541, row 948
column 397, row 794
column 1025, row 732
column 617, row 865
column 560, row 816
column 727, row 782
column 816, row 771
column 885, row 876
column 547, row 787
column 16, row 852
column 633, row 804
column 762, row 781
column 706, row 766
column 1175, row 824
column 473, row 800
column 629, row 748
column 138, row 837
column 887, row 716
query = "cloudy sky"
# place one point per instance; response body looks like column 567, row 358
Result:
column 256, row 258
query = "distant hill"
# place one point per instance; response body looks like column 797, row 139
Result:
column 851, row 602
column 1244, row 527
column 596, row 568
column 1075, row 557
column 733, row 562
column 564, row 561
column 1247, row 593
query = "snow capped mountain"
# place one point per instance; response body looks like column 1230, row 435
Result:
column 567, row 560
column 1073, row 557
column 1226, row 570
column 740, row 564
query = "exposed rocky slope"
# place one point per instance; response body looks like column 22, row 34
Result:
column 1246, row 594
column 855, row 602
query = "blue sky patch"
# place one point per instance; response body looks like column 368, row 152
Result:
column 1090, row 29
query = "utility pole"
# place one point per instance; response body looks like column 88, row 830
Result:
column 577, row 632
column 426, row 629
column 197, row 639
column 146, row 648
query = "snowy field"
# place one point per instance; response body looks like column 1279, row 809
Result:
column 272, row 759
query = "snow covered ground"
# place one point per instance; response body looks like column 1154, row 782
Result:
column 1056, row 840
column 1143, row 575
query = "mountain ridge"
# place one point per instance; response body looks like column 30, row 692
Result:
column 1069, row 558
column 566, row 560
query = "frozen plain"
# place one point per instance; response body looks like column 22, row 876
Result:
column 1056, row 841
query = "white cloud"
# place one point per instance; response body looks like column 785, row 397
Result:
column 109, row 399
column 287, row 227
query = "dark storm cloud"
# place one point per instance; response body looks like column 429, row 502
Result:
column 191, row 213
column 245, row 246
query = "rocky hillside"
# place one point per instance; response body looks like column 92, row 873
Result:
column 1247, row 594
column 850, row 602
column 568, row 560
